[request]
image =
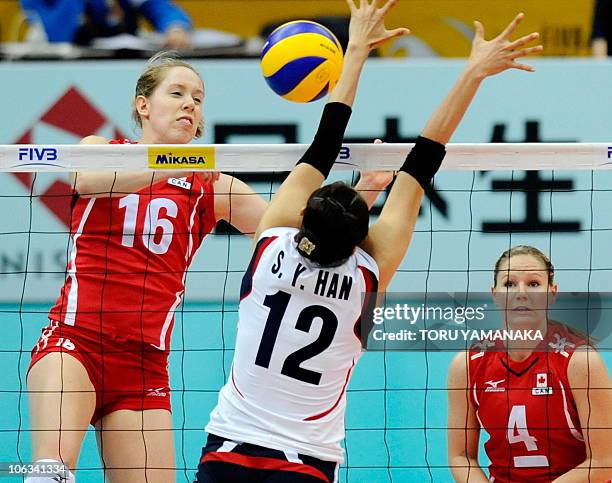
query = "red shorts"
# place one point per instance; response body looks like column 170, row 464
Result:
column 125, row 374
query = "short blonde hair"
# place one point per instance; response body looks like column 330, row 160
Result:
column 153, row 75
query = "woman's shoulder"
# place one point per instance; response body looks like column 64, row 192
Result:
column 367, row 260
column 586, row 364
column 93, row 140
column 458, row 370
column 562, row 337
column 278, row 231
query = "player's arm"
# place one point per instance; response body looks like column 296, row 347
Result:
column 592, row 391
column 463, row 428
column 372, row 183
column 389, row 237
column 238, row 204
column 366, row 32
column 599, row 44
column 108, row 183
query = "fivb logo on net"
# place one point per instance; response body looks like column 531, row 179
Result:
column 59, row 124
column 34, row 155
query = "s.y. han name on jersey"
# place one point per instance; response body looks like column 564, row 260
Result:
column 328, row 284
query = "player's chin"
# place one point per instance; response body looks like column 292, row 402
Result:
column 523, row 320
column 181, row 136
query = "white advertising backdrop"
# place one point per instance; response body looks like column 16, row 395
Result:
column 564, row 101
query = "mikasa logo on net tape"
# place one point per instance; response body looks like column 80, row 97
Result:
column 196, row 157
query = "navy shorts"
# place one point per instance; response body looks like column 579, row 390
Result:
column 224, row 460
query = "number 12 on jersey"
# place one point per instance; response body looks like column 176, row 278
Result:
column 277, row 304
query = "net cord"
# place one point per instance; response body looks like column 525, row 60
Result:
column 282, row 157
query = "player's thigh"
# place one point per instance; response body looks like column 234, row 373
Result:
column 62, row 401
column 137, row 446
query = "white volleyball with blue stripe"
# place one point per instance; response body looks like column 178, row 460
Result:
column 301, row 61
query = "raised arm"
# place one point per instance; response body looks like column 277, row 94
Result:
column 487, row 59
column 390, row 236
column 599, row 32
column 108, row 183
column 238, row 204
column 372, row 183
column 463, row 427
column 366, row 32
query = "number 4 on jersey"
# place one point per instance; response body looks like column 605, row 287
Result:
column 518, row 433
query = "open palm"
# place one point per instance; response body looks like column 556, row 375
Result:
column 491, row 57
column 367, row 25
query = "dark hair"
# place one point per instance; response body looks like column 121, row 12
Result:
column 335, row 221
column 525, row 250
column 155, row 71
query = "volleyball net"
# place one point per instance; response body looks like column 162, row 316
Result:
column 486, row 199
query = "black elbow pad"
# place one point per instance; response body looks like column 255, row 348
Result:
column 424, row 160
column 327, row 142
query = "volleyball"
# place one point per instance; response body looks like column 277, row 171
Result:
column 301, row 61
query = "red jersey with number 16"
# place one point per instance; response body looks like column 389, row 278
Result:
column 528, row 410
column 129, row 257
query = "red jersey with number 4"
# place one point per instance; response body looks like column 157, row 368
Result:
column 129, row 256
column 528, row 410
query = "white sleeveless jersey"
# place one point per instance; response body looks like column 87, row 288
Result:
column 296, row 348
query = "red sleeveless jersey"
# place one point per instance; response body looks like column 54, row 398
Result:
column 129, row 256
column 528, row 410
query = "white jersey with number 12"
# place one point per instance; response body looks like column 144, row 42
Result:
column 296, row 348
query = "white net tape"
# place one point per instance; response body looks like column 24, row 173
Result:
column 275, row 157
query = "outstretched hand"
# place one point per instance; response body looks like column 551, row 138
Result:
column 377, row 179
column 490, row 57
column 367, row 26
column 372, row 183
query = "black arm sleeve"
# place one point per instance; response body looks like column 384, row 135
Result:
column 600, row 20
column 327, row 142
column 424, row 160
